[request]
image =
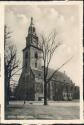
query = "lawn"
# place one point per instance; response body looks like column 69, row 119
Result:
column 54, row 111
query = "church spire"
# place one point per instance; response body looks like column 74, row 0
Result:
column 32, row 37
column 31, row 27
column 31, row 20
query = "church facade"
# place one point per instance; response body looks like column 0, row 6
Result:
column 31, row 86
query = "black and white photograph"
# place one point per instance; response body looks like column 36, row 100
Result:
column 42, row 61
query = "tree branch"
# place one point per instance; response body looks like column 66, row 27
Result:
column 58, row 69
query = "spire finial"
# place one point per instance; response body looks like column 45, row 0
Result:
column 31, row 20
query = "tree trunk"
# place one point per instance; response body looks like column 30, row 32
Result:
column 45, row 93
column 6, row 92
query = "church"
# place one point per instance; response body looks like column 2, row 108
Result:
column 31, row 84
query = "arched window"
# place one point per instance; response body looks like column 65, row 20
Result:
column 35, row 64
column 36, row 55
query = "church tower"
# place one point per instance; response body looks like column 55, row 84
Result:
column 32, row 61
column 32, row 53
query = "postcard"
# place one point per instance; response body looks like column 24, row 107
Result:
column 41, row 62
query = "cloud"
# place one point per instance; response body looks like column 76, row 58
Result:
column 47, row 19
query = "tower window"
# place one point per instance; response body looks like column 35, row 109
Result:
column 36, row 55
column 36, row 64
column 25, row 64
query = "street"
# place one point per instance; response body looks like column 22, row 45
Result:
column 36, row 110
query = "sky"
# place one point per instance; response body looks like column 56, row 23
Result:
column 47, row 18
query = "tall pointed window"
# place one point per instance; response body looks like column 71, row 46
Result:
column 36, row 55
column 26, row 64
column 36, row 64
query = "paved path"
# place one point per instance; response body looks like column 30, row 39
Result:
column 61, row 103
column 34, row 110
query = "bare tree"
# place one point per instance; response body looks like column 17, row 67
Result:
column 10, row 61
column 49, row 45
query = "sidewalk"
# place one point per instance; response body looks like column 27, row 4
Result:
column 56, row 103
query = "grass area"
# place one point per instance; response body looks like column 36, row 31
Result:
column 52, row 112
